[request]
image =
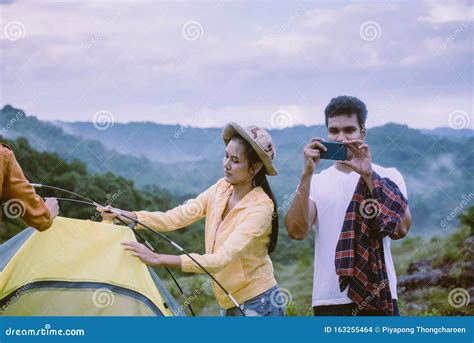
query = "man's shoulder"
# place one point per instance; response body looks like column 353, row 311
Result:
column 394, row 175
column 391, row 173
column 386, row 171
column 5, row 150
column 5, row 145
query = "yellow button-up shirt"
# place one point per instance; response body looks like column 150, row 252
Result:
column 238, row 258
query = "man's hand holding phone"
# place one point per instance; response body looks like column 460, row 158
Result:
column 336, row 151
column 312, row 155
column 353, row 153
column 359, row 158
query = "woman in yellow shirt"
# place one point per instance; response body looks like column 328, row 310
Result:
column 241, row 226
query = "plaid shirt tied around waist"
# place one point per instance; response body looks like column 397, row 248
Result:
column 359, row 259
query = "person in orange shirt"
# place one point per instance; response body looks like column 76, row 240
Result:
column 19, row 198
column 241, row 226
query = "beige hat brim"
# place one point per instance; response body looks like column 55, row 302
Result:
column 232, row 128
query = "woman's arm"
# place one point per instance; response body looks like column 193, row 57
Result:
column 254, row 225
column 251, row 227
column 176, row 218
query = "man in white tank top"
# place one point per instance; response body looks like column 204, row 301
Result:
column 322, row 200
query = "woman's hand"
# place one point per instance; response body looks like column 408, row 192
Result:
column 141, row 251
column 107, row 214
column 149, row 257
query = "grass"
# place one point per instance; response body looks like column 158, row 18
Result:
column 294, row 273
column 442, row 249
column 431, row 301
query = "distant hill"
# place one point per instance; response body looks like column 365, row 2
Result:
column 449, row 133
column 175, row 143
column 438, row 168
column 50, row 169
column 161, row 143
column 44, row 136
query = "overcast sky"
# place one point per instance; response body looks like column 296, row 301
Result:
column 269, row 63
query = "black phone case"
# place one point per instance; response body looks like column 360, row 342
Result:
column 336, row 151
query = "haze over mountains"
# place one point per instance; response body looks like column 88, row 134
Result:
column 437, row 164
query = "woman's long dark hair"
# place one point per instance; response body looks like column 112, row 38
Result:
column 260, row 179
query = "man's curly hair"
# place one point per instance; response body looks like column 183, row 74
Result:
column 346, row 105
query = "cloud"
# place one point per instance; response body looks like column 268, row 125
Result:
column 447, row 11
column 248, row 60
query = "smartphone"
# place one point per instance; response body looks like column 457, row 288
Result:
column 336, row 151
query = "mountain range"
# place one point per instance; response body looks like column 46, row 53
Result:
column 437, row 164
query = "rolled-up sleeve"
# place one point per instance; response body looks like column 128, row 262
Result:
column 254, row 225
column 178, row 217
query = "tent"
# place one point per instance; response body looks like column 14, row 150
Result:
column 78, row 268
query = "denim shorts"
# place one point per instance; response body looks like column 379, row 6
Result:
column 269, row 303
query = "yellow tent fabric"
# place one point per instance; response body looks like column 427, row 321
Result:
column 78, row 268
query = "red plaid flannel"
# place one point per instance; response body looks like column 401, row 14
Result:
column 360, row 260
